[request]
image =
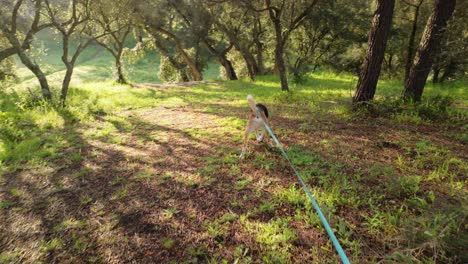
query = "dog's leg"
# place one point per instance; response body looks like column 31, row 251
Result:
column 249, row 129
column 261, row 136
column 264, row 128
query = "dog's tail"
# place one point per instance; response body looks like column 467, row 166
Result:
column 252, row 103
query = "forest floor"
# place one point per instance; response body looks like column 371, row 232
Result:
column 152, row 175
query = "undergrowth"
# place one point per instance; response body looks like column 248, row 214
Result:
column 396, row 195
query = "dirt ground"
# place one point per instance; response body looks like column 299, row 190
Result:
column 155, row 191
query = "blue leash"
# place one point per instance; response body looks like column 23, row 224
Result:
column 332, row 236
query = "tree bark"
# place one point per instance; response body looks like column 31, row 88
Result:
column 118, row 65
column 410, row 51
column 19, row 48
column 435, row 77
column 371, row 66
column 448, row 72
column 164, row 52
column 7, row 53
column 249, row 59
column 34, row 68
column 260, row 60
column 275, row 17
column 197, row 76
column 435, row 27
column 222, row 59
column 66, row 84
column 257, row 32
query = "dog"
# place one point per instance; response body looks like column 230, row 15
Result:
column 255, row 123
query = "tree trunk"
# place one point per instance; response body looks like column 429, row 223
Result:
column 435, row 77
column 371, row 66
column 7, row 53
column 196, row 74
column 257, row 32
column 66, row 84
column 260, row 62
column 164, row 52
column 428, row 46
column 120, row 76
column 279, row 49
column 448, row 72
column 390, row 65
column 248, row 58
column 118, row 67
column 281, row 67
column 38, row 73
column 410, row 51
column 34, row 68
column 222, row 59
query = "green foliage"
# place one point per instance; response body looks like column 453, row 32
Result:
column 275, row 238
column 293, row 196
column 167, row 72
column 406, row 186
column 238, row 62
column 168, row 243
column 52, row 244
column 7, row 70
column 431, row 108
column 363, row 201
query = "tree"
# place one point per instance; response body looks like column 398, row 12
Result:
column 114, row 18
column 430, row 41
column 72, row 23
column 199, row 21
column 370, row 69
column 285, row 16
column 9, row 26
column 161, row 45
column 410, row 50
column 158, row 21
column 452, row 57
column 235, row 22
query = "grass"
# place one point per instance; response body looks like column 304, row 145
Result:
column 128, row 174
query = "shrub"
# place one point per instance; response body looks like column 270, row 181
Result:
column 431, row 108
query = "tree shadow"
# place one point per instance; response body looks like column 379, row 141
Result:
column 97, row 202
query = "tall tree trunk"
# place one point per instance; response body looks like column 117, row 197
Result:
column 428, row 46
column 410, row 50
column 279, row 48
column 371, row 66
column 66, row 84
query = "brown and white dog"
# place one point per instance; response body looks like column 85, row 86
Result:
column 255, row 123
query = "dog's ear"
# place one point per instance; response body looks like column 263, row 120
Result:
column 252, row 103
